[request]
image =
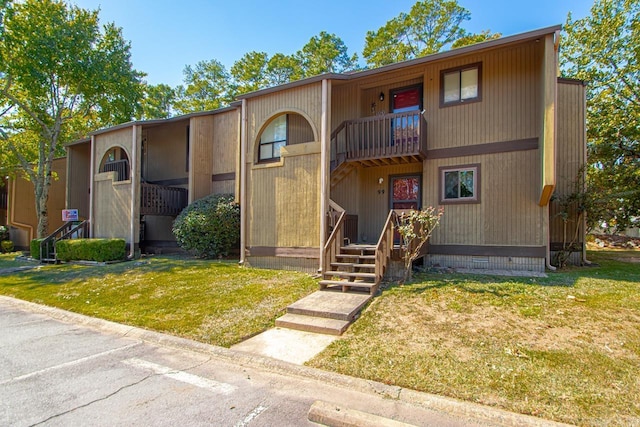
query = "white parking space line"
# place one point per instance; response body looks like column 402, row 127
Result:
column 252, row 415
column 185, row 377
column 67, row 364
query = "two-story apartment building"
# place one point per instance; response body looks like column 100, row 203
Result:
column 488, row 131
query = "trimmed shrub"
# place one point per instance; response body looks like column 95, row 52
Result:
column 4, row 233
column 209, row 227
column 34, row 246
column 6, row 246
column 100, row 250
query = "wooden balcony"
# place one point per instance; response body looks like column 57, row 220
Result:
column 162, row 200
column 120, row 167
column 380, row 140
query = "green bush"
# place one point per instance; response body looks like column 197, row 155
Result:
column 4, row 232
column 6, row 246
column 100, row 250
column 35, row 248
column 209, row 227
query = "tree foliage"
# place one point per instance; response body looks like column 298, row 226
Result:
column 430, row 26
column 602, row 49
column 326, row 53
column 207, row 87
column 157, row 102
column 60, row 75
column 415, row 228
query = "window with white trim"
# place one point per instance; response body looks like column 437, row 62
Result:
column 460, row 184
column 460, row 85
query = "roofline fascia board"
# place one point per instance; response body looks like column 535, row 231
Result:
column 477, row 47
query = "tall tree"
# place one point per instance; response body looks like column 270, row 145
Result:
column 283, row 69
column 602, row 49
column 250, row 72
column 326, row 53
column 59, row 70
column 157, row 102
column 430, row 26
column 208, row 87
column 470, row 39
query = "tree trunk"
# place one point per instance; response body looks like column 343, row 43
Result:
column 42, row 213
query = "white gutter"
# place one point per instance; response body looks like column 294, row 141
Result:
column 91, row 183
column 324, row 166
column 134, row 182
column 243, row 181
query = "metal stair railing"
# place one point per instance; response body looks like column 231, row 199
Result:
column 69, row 230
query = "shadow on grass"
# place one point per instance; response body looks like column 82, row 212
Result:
column 47, row 275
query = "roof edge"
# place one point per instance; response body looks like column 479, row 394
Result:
column 489, row 44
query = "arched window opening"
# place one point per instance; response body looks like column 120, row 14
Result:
column 116, row 160
column 286, row 129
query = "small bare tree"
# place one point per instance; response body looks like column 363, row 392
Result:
column 571, row 209
column 415, row 228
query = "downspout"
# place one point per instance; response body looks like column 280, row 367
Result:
column 243, row 181
column 584, row 172
column 92, row 161
column 134, row 182
column 324, row 167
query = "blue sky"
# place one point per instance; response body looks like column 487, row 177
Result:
column 166, row 35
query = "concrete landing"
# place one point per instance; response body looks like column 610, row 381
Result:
column 330, row 304
column 286, row 344
column 325, row 312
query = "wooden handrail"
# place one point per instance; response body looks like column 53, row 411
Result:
column 388, row 135
column 384, row 246
column 334, row 242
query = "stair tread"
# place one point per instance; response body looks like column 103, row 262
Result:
column 351, row 264
column 347, row 283
column 313, row 324
column 349, row 274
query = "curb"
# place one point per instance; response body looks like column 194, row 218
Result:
column 447, row 405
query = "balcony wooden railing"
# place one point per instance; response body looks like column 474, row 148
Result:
column 162, row 200
column 120, row 167
column 371, row 140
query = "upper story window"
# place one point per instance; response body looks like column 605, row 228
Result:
column 460, row 85
column 273, row 138
column 459, row 184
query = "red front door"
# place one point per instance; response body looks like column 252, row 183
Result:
column 405, row 192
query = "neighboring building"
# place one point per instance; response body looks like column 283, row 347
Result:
column 487, row 131
column 21, row 207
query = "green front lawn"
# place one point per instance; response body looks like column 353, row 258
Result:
column 214, row 302
column 566, row 347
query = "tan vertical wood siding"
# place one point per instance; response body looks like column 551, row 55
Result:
column 507, row 214
column 201, row 131
column 571, row 152
column 284, row 197
column 79, row 158
column 111, row 199
column 165, row 156
column 22, row 209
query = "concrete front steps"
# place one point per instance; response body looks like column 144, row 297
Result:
column 325, row 311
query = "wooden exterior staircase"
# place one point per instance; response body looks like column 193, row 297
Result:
column 356, row 267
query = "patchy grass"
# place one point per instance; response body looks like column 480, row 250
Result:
column 214, row 302
column 8, row 260
column 566, row 347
